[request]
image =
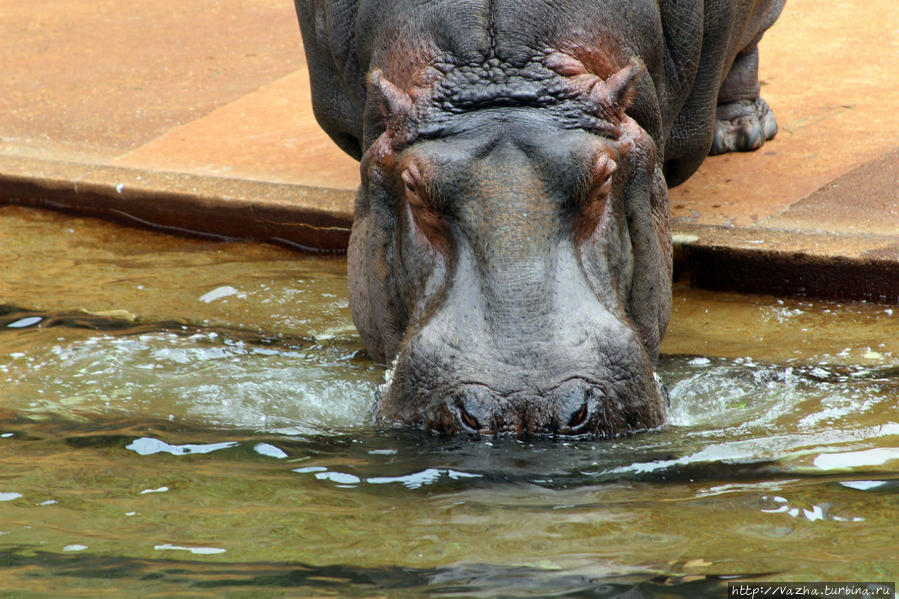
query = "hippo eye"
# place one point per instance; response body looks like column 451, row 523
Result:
column 409, row 181
column 604, row 187
column 603, row 169
column 595, row 198
column 412, row 182
column 429, row 225
column 412, row 179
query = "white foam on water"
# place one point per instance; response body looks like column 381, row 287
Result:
column 194, row 550
column 856, row 459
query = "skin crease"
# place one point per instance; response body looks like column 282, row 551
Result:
column 510, row 251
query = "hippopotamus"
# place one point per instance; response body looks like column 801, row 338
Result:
column 510, row 253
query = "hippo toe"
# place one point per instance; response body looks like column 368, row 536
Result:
column 742, row 126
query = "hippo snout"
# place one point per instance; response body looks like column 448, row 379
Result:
column 566, row 410
column 576, row 407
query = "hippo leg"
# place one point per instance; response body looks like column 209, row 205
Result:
column 743, row 120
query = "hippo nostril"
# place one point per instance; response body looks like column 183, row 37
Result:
column 579, row 417
column 575, row 407
column 468, row 420
column 473, row 407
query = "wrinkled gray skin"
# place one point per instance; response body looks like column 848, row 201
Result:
column 510, row 249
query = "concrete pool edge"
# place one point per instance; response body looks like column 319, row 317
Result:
column 788, row 262
column 304, row 217
column 860, row 266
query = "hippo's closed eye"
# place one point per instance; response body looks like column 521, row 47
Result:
column 595, row 199
column 428, row 223
column 412, row 180
column 603, row 169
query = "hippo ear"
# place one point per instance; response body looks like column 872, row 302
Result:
column 617, row 92
column 613, row 95
column 394, row 104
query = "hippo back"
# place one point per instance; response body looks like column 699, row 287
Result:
column 687, row 48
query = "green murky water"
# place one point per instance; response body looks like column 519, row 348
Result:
column 181, row 418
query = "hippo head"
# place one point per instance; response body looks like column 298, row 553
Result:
column 511, row 254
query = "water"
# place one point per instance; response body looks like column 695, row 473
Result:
column 186, row 418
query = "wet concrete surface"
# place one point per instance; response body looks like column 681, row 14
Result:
column 197, row 117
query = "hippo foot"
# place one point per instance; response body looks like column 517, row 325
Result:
column 742, row 126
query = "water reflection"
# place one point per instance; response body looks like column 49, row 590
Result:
column 81, row 571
